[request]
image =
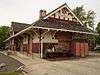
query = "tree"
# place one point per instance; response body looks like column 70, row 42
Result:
column 98, row 31
column 80, row 13
column 88, row 20
column 98, row 28
column 4, row 34
column 86, row 17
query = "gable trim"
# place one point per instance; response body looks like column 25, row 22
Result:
column 59, row 8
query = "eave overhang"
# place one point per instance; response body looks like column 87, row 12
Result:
column 36, row 27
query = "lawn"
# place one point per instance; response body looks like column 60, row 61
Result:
column 14, row 73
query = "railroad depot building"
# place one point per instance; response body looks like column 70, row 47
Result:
column 56, row 34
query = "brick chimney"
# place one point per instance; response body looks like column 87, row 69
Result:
column 42, row 13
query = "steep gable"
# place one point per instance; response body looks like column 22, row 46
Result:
column 63, row 13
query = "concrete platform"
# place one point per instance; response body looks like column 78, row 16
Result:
column 80, row 66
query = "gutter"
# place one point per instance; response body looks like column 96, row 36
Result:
column 21, row 32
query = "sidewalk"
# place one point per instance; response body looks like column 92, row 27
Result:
column 85, row 66
column 29, row 62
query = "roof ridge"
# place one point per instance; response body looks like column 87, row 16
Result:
column 21, row 23
column 55, row 9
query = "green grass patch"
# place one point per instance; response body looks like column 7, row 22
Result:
column 13, row 73
column 98, row 51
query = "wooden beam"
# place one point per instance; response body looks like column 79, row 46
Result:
column 42, row 35
column 12, row 44
column 41, row 48
column 21, row 46
column 53, row 34
column 30, row 44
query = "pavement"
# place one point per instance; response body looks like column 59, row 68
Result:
column 81, row 66
column 8, row 64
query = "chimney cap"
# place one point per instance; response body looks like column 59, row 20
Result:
column 43, row 10
column 42, row 13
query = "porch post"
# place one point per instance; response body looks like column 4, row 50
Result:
column 41, row 45
column 21, row 47
column 12, row 44
column 41, row 52
column 30, row 45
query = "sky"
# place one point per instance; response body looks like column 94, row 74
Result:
column 27, row 11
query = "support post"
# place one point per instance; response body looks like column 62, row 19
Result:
column 30, row 44
column 41, row 45
column 41, row 48
column 12, row 44
column 21, row 47
column 9, row 45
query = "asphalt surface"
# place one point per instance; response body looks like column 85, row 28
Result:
column 9, row 64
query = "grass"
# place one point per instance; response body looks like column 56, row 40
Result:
column 13, row 73
column 98, row 51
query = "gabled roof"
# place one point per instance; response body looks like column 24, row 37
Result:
column 59, row 24
column 59, row 8
column 46, row 23
column 17, row 27
column 62, row 24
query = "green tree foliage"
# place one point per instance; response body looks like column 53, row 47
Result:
column 80, row 13
column 98, row 28
column 4, row 34
column 98, row 31
column 90, row 18
column 86, row 17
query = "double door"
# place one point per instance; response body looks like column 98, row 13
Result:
column 80, row 49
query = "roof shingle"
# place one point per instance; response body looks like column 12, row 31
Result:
column 62, row 25
column 19, row 26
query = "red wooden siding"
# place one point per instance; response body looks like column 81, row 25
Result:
column 79, row 49
column 35, row 47
column 86, row 49
column 82, row 49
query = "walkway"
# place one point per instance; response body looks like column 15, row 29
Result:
column 83, row 66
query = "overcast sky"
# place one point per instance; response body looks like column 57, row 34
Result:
column 27, row 11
